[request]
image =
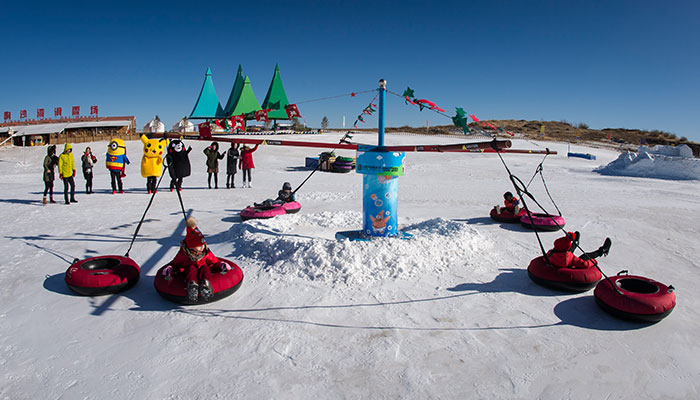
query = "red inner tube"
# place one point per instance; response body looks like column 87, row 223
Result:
column 570, row 279
column 507, row 215
column 102, row 275
column 223, row 285
column 637, row 297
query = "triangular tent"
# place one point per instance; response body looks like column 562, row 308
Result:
column 246, row 103
column 276, row 99
column 235, row 92
column 207, row 105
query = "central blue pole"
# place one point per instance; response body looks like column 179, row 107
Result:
column 382, row 92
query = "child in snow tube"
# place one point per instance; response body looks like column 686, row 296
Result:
column 283, row 196
column 562, row 256
column 195, row 260
column 512, row 204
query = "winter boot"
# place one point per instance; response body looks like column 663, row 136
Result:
column 605, row 248
column 206, row 291
column 73, row 200
column 51, row 200
column 192, row 291
column 44, row 201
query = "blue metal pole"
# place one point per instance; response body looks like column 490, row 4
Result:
column 382, row 91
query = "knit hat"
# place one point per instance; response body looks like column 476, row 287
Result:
column 194, row 237
column 287, row 186
column 564, row 242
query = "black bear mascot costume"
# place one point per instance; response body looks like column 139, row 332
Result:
column 178, row 163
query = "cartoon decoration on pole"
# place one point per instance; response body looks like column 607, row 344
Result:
column 380, row 185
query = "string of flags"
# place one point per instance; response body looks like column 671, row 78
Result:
column 369, row 110
column 237, row 122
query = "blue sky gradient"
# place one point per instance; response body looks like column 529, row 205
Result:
column 610, row 64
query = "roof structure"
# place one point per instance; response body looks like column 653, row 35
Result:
column 276, row 98
column 235, row 92
column 207, row 105
column 246, row 102
column 40, row 129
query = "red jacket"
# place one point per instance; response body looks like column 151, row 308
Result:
column 562, row 257
column 510, row 205
column 247, row 158
column 182, row 261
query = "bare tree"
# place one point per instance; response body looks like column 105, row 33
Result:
column 324, row 122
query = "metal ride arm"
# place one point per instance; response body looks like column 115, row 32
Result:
column 472, row 147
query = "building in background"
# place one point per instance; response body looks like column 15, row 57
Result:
column 71, row 130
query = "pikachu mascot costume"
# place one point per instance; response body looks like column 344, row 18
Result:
column 152, row 161
column 116, row 161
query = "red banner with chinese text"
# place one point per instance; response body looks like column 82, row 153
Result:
column 57, row 111
column 40, row 113
column 76, row 110
column 93, row 110
column 8, row 115
column 23, row 113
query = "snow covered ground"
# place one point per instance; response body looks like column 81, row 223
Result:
column 449, row 314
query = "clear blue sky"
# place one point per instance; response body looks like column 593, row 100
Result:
column 631, row 64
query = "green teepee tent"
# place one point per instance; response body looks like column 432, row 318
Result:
column 207, row 105
column 235, row 92
column 276, row 99
column 246, row 102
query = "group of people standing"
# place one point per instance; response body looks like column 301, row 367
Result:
column 66, row 172
column 237, row 157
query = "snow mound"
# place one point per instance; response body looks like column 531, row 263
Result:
column 327, row 196
column 281, row 246
column 664, row 162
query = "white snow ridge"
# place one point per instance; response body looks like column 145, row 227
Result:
column 664, row 162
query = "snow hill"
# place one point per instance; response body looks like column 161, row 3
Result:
column 665, row 162
column 448, row 314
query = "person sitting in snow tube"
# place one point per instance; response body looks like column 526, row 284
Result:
column 195, row 261
column 562, row 256
column 511, row 212
column 562, row 270
column 283, row 204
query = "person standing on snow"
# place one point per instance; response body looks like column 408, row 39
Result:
column 89, row 161
column 50, row 162
column 66, row 171
column 247, row 164
column 232, row 157
column 213, row 157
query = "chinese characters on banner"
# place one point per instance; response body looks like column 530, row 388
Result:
column 8, row 115
column 57, row 111
column 23, row 113
column 40, row 113
column 76, row 110
column 93, row 110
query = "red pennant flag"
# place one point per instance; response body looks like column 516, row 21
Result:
column 40, row 113
column 204, row 130
column 491, row 126
column 23, row 113
column 238, row 122
column 261, row 115
column 475, row 119
column 57, row 111
column 8, row 115
column 93, row 110
column 218, row 123
column 292, row 111
column 409, row 100
column 76, row 110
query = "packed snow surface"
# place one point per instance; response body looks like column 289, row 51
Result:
column 664, row 162
column 450, row 313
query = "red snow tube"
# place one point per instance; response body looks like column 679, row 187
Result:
column 102, row 275
column 638, row 299
column 543, row 222
column 222, row 285
column 262, row 212
column 507, row 215
column 566, row 279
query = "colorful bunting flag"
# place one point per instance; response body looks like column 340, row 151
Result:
column 238, row 122
column 292, row 111
column 261, row 115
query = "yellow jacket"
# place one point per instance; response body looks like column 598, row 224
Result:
column 66, row 162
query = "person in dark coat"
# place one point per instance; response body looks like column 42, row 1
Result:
column 232, row 157
column 213, row 157
column 50, row 162
column 178, row 161
column 283, row 196
column 88, row 160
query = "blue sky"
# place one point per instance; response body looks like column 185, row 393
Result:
column 631, row 64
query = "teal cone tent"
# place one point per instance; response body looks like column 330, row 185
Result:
column 207, row 105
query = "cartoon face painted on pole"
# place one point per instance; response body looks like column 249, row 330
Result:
column 152, row 160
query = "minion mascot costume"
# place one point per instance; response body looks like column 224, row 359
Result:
column 152, row 161
column 178, row 160
column 116, row 157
